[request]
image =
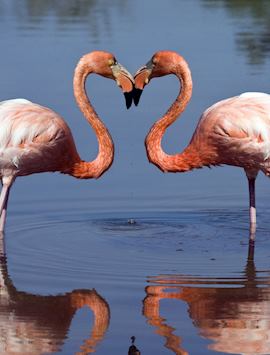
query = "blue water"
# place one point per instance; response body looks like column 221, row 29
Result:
column 136, row 228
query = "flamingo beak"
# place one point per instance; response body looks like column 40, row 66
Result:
column 142, row 78
column 125, row 81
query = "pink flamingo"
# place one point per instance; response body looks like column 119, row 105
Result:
column 35, row 139
column 235, row 131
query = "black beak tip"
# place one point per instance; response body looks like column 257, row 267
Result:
column 128, row 97
column 136, row 96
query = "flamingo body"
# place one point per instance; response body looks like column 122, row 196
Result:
column 33, row 139
column 236, row 131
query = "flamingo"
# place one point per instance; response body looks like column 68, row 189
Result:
column 234, row 131
column 35, row 139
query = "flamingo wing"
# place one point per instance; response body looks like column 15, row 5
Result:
column 33, row 138
column 238, row 130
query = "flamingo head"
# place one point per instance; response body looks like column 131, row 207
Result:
column 162, row 63
column 105, row 64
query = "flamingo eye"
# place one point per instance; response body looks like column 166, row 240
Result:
column 112, row 61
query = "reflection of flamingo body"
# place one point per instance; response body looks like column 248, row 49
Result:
column 35, row 139
column 233, row 313
column 235, row 131
column 35, row 324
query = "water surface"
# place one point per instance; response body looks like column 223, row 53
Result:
column 162, row 257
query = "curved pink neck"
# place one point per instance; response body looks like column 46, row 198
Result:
column 104, row 159
column 178, row 162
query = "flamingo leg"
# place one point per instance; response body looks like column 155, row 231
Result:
column 4, row 211
column 4, row 201
column 252, row 208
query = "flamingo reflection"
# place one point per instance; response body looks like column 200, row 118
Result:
column 34, row 324
column 233, row 313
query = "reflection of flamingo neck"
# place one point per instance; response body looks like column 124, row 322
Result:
column 101, row 312
column 152, row 312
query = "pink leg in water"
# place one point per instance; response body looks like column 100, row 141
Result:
column 4, row 213
column 7, row 182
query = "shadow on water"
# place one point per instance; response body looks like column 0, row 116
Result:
column 37, row 324
column 253, row 22
column 233, row 313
